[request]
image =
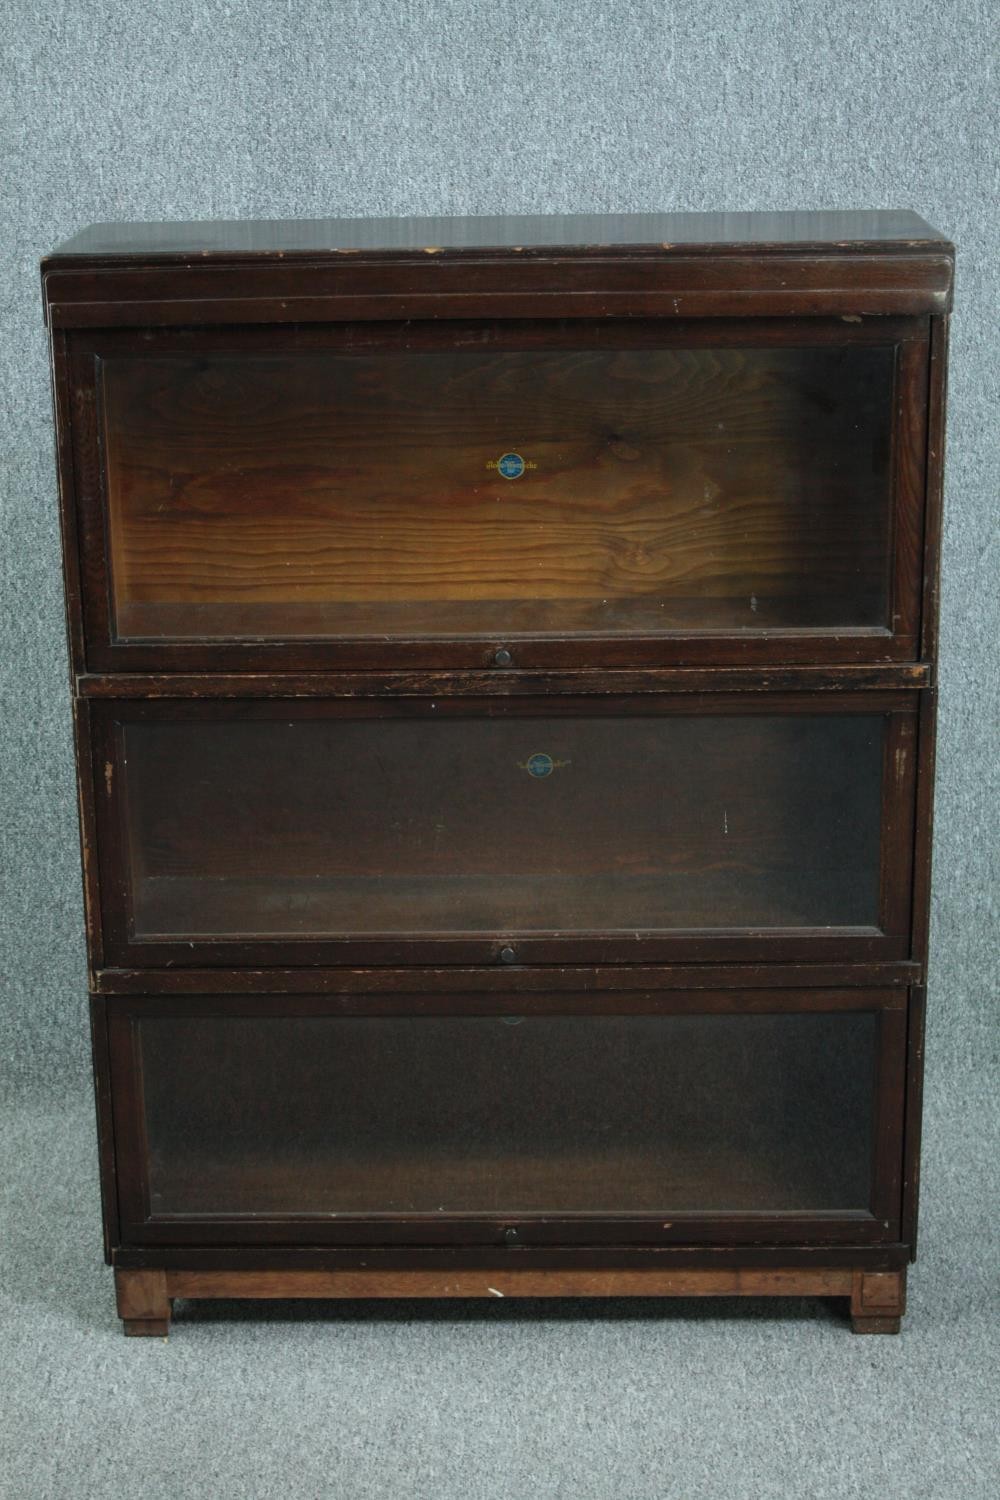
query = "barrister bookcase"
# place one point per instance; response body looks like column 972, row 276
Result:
column 503, row 659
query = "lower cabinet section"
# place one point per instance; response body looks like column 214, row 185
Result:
column 508, row 1120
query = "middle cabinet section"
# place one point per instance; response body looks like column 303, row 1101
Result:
column 684, row 826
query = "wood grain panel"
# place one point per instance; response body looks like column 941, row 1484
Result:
column 727, row 481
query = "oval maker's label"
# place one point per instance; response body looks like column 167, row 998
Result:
column 510, row 465
column 540, row 764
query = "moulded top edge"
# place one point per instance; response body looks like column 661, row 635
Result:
column 824, row 232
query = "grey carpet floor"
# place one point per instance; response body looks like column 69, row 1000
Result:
column 588, row 1401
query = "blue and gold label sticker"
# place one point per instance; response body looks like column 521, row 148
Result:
column 540, row 765
column 510, row 465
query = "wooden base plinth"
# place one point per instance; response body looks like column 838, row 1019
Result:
column 877, row 1297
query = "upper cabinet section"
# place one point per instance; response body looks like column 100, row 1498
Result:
column 604, row 455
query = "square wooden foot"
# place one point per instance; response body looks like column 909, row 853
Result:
column 875, row 1325
column 878, row 1301
column 149, row 1328
column 143, row 1303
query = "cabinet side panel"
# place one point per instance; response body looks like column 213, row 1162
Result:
column 909, row 473
column 914, row 1117
column 937, row 394
column 65, row 474
column 924, row 824
column 927, row 731
column 105, row 1123
column 88, row 834
column 929, row 638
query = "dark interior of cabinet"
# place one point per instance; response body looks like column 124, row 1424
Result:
column 288, row 1116
column 302, row 826
column 323, row 494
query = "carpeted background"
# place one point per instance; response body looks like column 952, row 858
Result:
column 195, row 108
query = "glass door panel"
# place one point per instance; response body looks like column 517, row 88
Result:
column 388, row 485
column 255, row 1113
column 254, row 828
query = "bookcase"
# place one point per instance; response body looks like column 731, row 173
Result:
column 503, row 666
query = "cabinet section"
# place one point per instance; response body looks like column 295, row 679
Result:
column 524, row 1119
column 572, row 493
column 740, row 825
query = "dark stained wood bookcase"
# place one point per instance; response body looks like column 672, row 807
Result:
column 503, row 663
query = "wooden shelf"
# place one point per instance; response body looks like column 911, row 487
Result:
column 179, row 906
column 506, row 619
column 775, row 1173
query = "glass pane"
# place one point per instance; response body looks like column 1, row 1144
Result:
column 465, row 825
column 540, row 1114
column 407, row 492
